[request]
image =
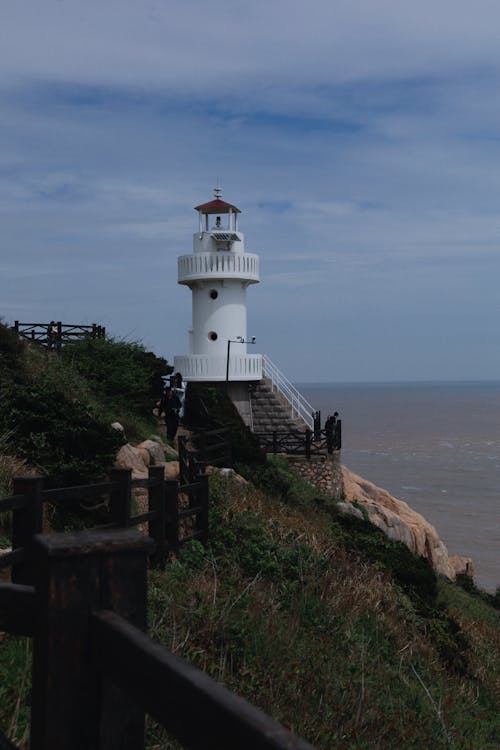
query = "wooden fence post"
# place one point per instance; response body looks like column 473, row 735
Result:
column 120, row 499
column 59, row 336
column 183, row 459
column 26, row 522
column 203, row 448
column 73, row 705
column 172, row 510
column 229, row 450
column 156, row 504
column 202, row 520
column 308, row 443
column 317, row 425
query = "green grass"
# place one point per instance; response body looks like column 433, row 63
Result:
column 15, row 685
column 349, row 649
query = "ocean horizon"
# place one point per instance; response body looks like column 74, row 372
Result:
column 434, row 444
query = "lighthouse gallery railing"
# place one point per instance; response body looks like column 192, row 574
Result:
column 244, row 265
column 299, row 405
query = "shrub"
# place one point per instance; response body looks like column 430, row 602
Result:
column 123, row 375
column 11, row 352
column 62, row 437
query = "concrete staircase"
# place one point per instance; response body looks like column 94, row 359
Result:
column 271, row 412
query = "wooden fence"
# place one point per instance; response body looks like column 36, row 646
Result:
column 82, row 598
column 54, row 335
column 176, row 513
column 303, row 443
column 95, row 674
column 205, row 447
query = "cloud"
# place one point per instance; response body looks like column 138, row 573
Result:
column 235, row 46
column 359, row 138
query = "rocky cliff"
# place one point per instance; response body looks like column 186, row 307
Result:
column 400, row 523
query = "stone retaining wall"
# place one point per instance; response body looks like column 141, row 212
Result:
column 324, row 472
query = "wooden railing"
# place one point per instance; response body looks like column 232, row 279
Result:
column 54, row 336
column 205, row 447
column 303, row 443
column 95, row 673
column 176, row 513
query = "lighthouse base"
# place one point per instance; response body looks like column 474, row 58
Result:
column 202, row 367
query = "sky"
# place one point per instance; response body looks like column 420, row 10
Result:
column 359, row 138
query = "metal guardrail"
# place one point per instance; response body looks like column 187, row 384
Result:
column 299, row 406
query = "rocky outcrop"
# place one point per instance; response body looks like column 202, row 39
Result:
column 148, row 453
column 155, row 451
column 171, row 470
column 130, row 457
column 462, row 565
column 400, row 523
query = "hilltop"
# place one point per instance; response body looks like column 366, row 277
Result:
column 56, row 411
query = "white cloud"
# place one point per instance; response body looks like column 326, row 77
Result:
column 204, row 47
column 360, row 139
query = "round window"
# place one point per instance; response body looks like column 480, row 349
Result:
column 214, row 293
column 212, row 336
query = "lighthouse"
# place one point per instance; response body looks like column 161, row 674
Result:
column 218, row 272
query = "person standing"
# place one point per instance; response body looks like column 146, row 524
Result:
column 170, row 405
column 329, row 432
column 51, row 335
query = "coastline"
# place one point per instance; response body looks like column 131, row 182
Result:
column 435, row 446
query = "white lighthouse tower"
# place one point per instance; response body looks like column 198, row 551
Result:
column 218, row 273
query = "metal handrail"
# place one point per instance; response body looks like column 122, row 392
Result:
column 299, row 405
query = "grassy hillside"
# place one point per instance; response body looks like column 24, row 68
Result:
column 328, row 626
column 317, row 618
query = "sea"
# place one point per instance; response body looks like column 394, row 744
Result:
column 434, row 445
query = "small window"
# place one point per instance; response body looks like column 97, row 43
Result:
column 212, row 336
column 214, row 293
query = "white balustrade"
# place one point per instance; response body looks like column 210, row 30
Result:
column 204, row 367
column 226, row 265
column 299, row 406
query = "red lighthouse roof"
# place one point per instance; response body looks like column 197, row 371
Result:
column 217, row 206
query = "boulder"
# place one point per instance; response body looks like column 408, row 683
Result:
column 462, row 566
column 154, row 450
column 167, row 449
column 146, row 457
column 398, row 521
column 129, row 457
column 171, row 469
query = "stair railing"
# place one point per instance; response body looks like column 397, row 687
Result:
column 300, row 407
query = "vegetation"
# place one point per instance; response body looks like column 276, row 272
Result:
column 328, row 626
column 315, row 617
column 56, row 411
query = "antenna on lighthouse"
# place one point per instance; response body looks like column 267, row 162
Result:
column 217, row 191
